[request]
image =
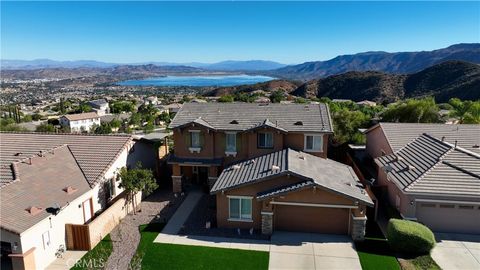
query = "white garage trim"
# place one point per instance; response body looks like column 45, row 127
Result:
column 447, row 201
column 317, row 205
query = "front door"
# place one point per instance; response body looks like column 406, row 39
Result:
column 203, row 175
column 87, row 210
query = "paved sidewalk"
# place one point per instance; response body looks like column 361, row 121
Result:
column 181, row 215
column 70, row 257
column 209, row 241
column 457, row 251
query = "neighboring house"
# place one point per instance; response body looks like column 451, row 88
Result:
column 292, row 191
column 51, row 182
column 80, row 122
column 367, row 103
column 152, row 100
column 173, row 107
column 430, row 172
column 100, row 106
column 259, row 145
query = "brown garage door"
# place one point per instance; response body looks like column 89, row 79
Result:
column 450, row 218
column 311, row 219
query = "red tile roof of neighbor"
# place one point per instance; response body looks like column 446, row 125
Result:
column 81, row 116
column 39, row 171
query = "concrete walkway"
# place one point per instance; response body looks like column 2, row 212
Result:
column 70, row 257
column 209, row 241
column 457, row 251
column 176, row 222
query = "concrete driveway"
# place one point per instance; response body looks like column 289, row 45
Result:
column 312, row 251
column 457, row 251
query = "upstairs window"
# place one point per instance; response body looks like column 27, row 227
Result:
column 265, row 140
column 313, row 143
column 231, row 142
column 195, row 138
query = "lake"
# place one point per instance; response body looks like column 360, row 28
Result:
column 201, row 81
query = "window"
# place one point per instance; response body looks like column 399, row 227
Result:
column 265, row 140
column 231, row 142
column 195, row 139
column 313, row 143
column 240, row 208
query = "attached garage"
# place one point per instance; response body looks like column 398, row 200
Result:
column 453, row 218
column 311, row 219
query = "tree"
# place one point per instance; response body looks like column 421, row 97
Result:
column 45, row 127
column 36, row 116
column 346, row 124
column 136, row 180
column 467, row 112
column 277, row 96
column 226, row 98
column 413, row 111
column 115, row 123
column 103, row 128
column 135, row 119
column 148, row 128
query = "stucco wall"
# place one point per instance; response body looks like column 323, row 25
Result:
column 309, row 195
column 376, row 142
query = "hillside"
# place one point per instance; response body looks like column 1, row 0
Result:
column 399, row 63
column 443, row 81
column 287, row 86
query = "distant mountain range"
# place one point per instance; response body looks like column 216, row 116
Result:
column 230, row 65
column 443, row 81
column 397, row 63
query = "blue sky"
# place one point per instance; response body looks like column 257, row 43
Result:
column 288, row 32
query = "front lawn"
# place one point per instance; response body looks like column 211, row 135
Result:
column 424, row 262
column 375, row 254
column 97, row 257
column 169, row 256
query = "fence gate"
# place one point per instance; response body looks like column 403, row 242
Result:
column 78, row 237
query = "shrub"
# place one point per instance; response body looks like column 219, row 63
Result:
column 409, row 237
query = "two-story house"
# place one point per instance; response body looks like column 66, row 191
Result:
column 267, row 165
column 100, row 106
column 81, row 122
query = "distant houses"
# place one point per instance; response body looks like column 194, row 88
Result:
column 100, row 106
column 81, row 122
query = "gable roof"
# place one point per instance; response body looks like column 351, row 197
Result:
column 329, row 174
column 98, row 102
column 42, row 186
column 81, row 116
column 93, row 153
column 244, row 116
column 429, row 165
column 400, row 134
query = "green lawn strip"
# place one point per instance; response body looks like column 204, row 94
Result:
column 97, row 257
column 374, row 253
column 170, row 256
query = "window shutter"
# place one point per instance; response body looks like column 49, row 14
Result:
column 202, row 139
column 239, row 142
column 188, row 141
column 223, row 141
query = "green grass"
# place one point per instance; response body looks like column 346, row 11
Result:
column 169, row 256
column 376, row 254
column 97, row 257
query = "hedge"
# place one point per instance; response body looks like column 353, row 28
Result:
column 409, row 237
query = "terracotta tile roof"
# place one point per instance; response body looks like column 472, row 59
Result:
column 93, row 153
column 81, row 116
column 42, row 186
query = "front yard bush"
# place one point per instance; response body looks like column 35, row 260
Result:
column 409, row 237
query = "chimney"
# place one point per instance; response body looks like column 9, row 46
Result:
column 456, row 143
column 443, row 138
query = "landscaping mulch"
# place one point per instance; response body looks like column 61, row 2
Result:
column 158, row 207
